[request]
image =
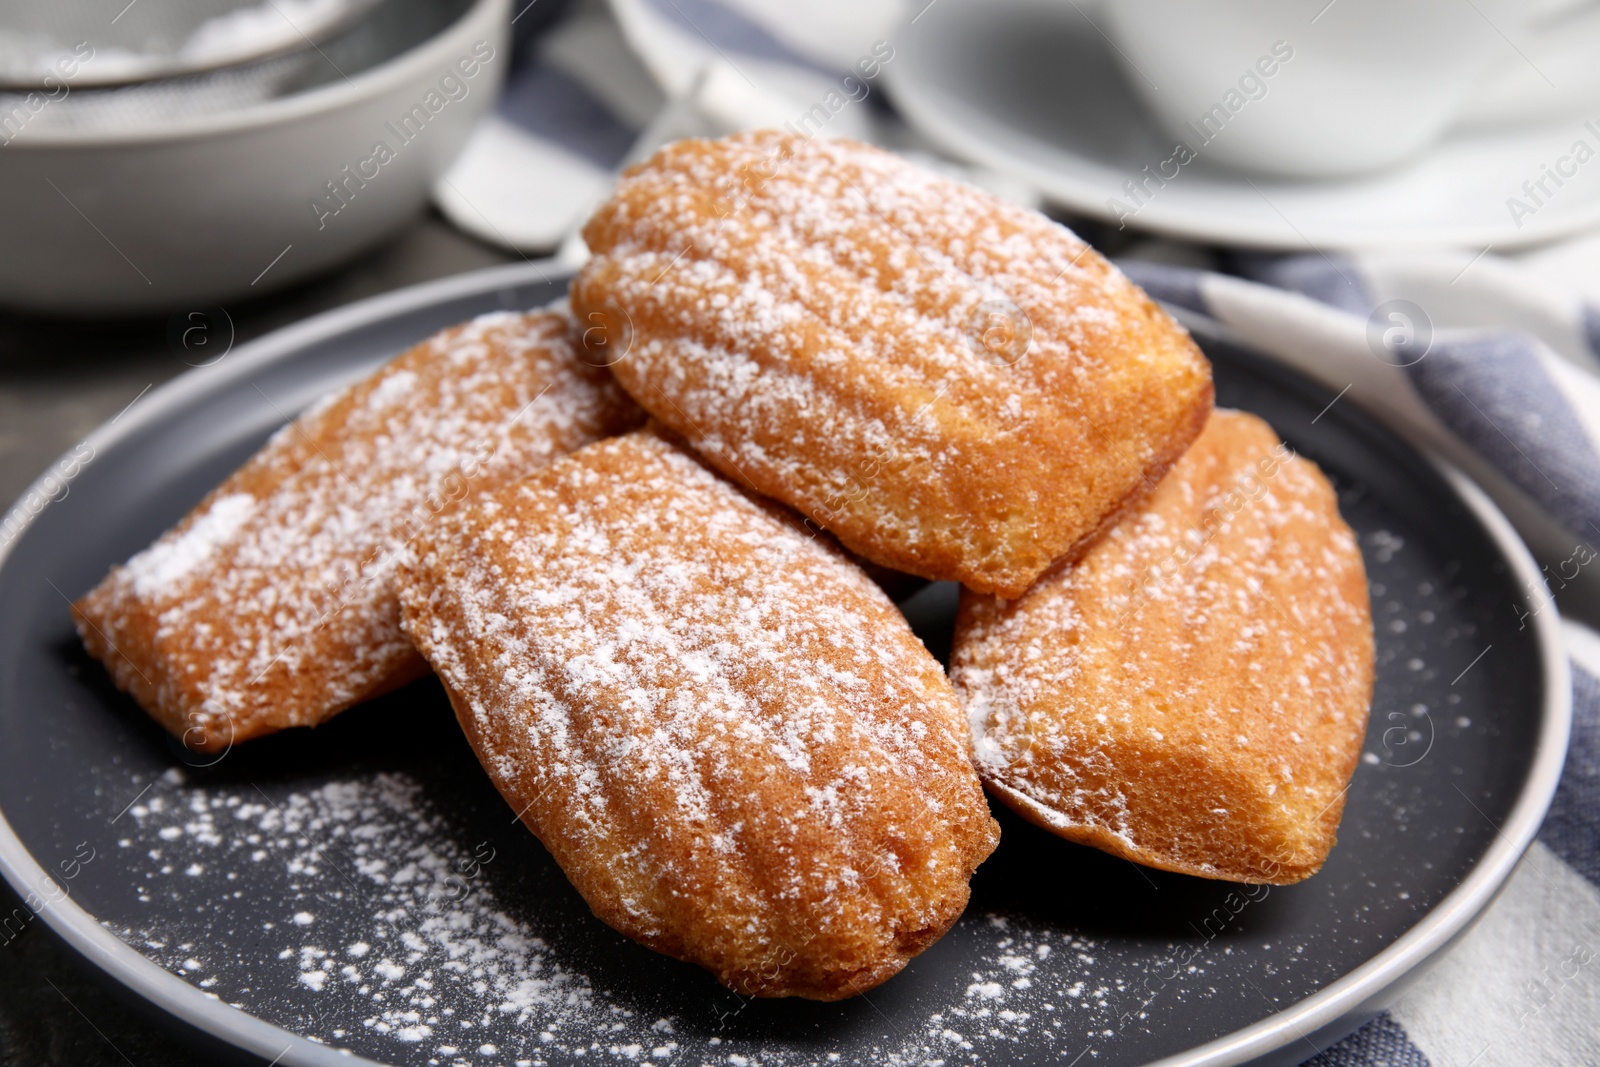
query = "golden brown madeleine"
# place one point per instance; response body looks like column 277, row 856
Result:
column 272, row 604
column 723, row 731
column 1192, row 692
column 953, row 385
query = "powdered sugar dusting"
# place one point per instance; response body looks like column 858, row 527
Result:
column 170, row 561
column 430, row 965
column 1224, row 624
column 381, row 952
column 273, row 603
column 721, row 727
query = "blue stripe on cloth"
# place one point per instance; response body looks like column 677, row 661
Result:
column 724, row 28
column 555, row 107
column 1380, row 1043
column 1494, row 393
column 1570, row 829
column 1332, row 280
column 1173, row 285
column 1591, row 328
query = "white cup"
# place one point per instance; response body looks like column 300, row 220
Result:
column 1311, row 88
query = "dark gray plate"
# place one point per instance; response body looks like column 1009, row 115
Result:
column 362, row 887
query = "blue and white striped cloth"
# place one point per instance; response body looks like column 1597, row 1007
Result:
column 1484, row 360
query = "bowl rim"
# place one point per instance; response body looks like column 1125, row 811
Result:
column 1348, row 998
column 481, row 16
column 924, row 110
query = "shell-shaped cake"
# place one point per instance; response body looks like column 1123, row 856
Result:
column 1192, row 693
column 724, row 732
column 954, row 386
column 272, row 604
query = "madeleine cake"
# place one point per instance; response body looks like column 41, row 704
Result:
column 1192, row 692
column 272, row 604
column 721, row 728
column 954, row 386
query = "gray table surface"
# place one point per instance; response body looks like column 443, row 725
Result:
column 59, row 379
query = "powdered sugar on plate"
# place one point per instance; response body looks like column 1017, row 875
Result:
column 383, row 940
column 436, row 961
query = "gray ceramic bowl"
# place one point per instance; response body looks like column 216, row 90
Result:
column 132, row 214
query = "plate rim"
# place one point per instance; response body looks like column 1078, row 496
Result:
column 927, row 111
column 1352, row 993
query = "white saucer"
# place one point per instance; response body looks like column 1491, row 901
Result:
column 1031, row 87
